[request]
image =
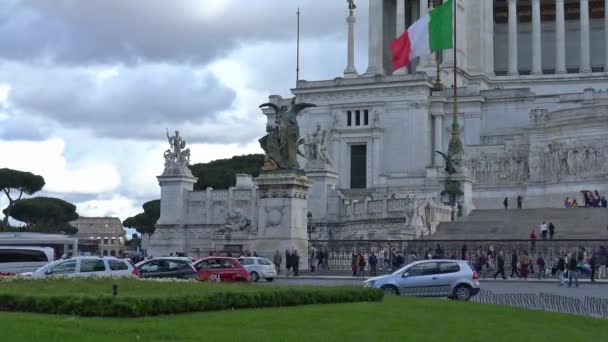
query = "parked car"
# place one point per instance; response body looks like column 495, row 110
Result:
column 221, row 269
column 86, row 267
column 19, row 259
column 166, row 268
column 431, row 278
column 259, row 268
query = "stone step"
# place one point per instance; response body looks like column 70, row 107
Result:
column 579, row 223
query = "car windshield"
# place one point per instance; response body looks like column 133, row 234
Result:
column 264, row 262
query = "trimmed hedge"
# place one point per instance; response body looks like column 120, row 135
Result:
column 130, row 306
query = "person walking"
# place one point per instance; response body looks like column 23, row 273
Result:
column 353, row 263
column 593, row 264
column 501, row 266
column 572, row 270
column 373, row 263
column 540, row 262
column 524, row 262
column 561, row 268
column 360, row 265
column 288, row 261
column 295, row 262
column 551, row 230
column 277, row 260
column 514, row 265
column 381, row 259
column 464, row 250
column 506, row 203
column 602, row 261
column 520, row 201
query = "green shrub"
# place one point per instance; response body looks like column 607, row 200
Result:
column 221, row 298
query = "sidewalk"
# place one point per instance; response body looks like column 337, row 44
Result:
column 321, row 277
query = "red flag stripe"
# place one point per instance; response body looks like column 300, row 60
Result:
column 401, row 48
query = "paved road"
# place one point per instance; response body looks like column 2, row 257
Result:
column 599, row 290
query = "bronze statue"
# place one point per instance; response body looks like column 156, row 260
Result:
column 281, row 142
column 351, row 5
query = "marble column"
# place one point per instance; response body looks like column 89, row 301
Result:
column 605, row 36
column 560, row 38
column 513, row 38
column 351, row 71
column 399, row 29
column 585, row 65
column 536, row 43
column 376, row 22
column 438, row 145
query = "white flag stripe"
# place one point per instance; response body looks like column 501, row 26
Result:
column 419, row 37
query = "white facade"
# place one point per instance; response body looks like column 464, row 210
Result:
column 533, row 106
column 533, row 111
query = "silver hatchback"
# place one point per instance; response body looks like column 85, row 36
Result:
column 430, row 278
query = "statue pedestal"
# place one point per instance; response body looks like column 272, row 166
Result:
column 464, row 178
column 176, row 183
column 323, row 181
column 282, row 213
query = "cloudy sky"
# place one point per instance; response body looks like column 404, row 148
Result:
column 87, row 88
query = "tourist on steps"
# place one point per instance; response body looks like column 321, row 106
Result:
column 532, row 241
column 543, row 230
column 520, row 201
column 551, row 230
column 506, row 203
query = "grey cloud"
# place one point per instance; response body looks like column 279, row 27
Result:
column 110, row 31
column 137, row 103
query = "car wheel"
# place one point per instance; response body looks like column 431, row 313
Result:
column 390, row 290
column 254, row 276
column 462, row 292
column 269, row 280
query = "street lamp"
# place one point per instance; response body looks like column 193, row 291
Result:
column 310, row 229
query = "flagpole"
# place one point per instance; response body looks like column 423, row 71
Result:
column 455, row 148
column 298, row 50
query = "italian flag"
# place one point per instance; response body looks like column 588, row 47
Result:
column 430, row 33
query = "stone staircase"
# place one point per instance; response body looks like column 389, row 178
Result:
column 579, row 223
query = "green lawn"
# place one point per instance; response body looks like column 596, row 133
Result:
column 394, row 319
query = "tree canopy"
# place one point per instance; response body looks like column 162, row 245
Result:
column 45, row 214
column 20, row 181
column 144, row 222
column 218, row 174
column 221, row 173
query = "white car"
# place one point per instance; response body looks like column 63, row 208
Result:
column 259, row 268
column 430, row 278
column 20, row 259
column 86, row 267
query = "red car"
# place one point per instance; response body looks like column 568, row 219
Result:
column 221, row 269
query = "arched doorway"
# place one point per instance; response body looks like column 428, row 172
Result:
column 113, row 253
column 105, row 253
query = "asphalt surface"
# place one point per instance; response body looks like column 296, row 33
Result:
column 551, row 286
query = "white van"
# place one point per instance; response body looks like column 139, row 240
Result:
column 20, row 259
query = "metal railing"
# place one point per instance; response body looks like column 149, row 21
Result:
column 337, row 256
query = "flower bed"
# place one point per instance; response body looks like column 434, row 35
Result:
column 136, row 298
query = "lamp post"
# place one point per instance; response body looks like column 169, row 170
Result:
column 310, row 228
